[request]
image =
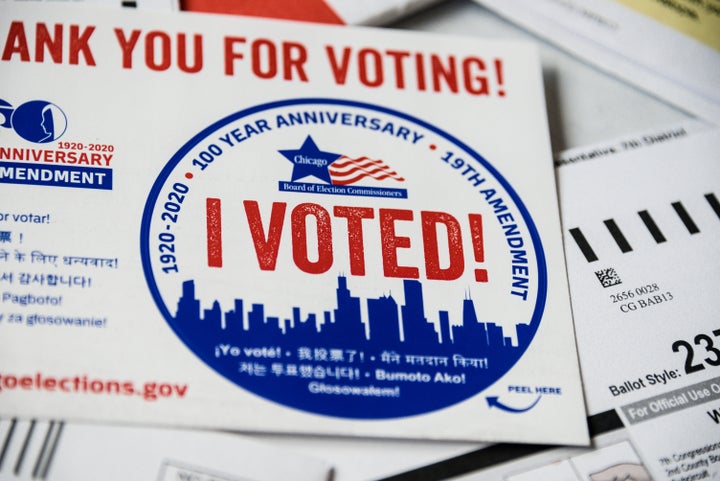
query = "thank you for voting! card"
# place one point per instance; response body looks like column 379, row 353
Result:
column 263, row 225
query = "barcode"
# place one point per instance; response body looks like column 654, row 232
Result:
column 27, row 448
column 608, row 277
column 648, row 222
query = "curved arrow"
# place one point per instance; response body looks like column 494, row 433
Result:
column 493, row 402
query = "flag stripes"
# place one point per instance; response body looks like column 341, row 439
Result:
column 346, row 170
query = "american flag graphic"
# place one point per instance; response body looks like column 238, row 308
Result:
column 346, row 170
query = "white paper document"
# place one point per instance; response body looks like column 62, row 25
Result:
column 641, row 229
column 644, row 269
column 671, row 49
column 58, row 451
column 272, row 226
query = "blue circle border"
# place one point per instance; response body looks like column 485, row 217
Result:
column 203, row 134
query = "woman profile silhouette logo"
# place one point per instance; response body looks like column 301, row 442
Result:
column 36, row 121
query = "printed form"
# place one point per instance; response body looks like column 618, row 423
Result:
column 644, row 268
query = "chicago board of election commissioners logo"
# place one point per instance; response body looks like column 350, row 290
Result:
column 37, row 121
column 338, row 170
column 395, row 273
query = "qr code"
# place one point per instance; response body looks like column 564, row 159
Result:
column 608, row 277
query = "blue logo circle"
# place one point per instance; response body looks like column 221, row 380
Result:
column 363, row 301
column 39, row 121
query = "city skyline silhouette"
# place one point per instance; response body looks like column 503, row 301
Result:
column 387, row 323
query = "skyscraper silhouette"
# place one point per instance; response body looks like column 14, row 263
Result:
column 415, row 324
column 384, row 320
